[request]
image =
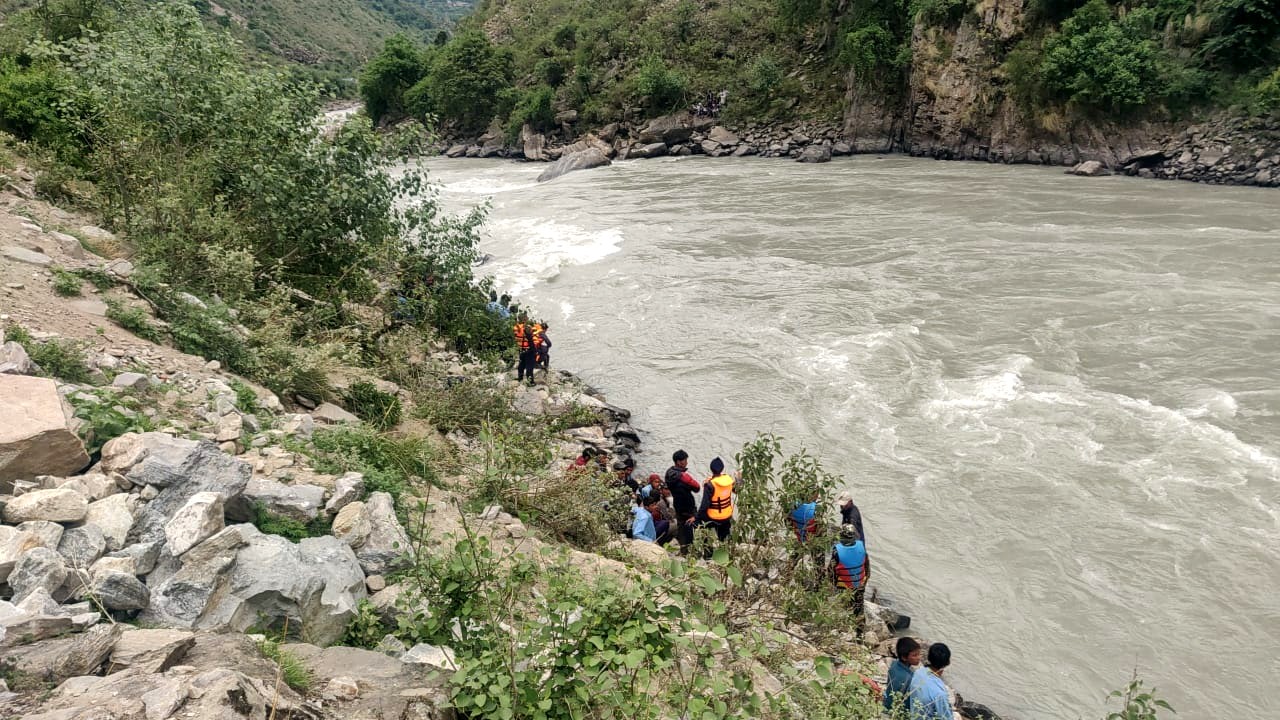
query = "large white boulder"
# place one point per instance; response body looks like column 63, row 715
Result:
column 199, row 519
column 374, row 533
column 114, row 516
column 60, row 505
column 36, row 436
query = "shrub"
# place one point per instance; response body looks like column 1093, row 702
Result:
column 65, row 283
column 106, row 417
column 62, row 359
column 1137, row 703
column 246, row 398
column 944, row 13
column 366, row 629
column 385, row 79
column 133, row 319
column 388, row 464
column 535, row 109
column 96, row 276
column 295, row 530
column 659, row 88
column 380, row 409
column 31, row 102
column 294, row 673
column 466, row 81
column 466, row 406
column 1266, row 95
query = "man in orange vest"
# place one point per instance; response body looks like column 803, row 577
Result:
column 717, row 500
column 524, row 333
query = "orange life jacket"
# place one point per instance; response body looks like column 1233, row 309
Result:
column 535, row 338
column 721, row 505
column 522, row 337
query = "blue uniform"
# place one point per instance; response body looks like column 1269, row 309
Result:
column 642, row 527
column 899, row 683
column 927, row 697
column 850, row 565
column 802, row 519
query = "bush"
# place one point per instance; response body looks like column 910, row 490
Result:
column 465, row 83
column 366, row 629
column 1266, row 95
column 106, row 417
column 65, row 283
column 32, row 99
column 295, row 530
column 659, row 88
column 389, row 464
column 133, row 319
column 943, row 13
column 62, row 359
column 535, row 109
column 294, row 673
column 380, row 409
column 465, row 406
column 385, row 79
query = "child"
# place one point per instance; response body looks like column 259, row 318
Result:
column 900, row 672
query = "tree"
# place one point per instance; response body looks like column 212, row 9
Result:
column 387, row 76
column 466, row 81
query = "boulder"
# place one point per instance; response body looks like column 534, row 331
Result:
column 566, row 117
column 119, row 591
column 723, row 136
column 241, row 578
column 374, row 533
column 36, row 437
column 49, row 533
column 59, row 505
column 113, row 516
column 40, row 568
column 229, row 427
column 815, row 154
column 646, row 552
column 584, row 160
column 180, row 467
column 842, row 148
column 432, row 656
column 23, row 255
column 456, row 151
column 710, row 147
column 1089, row 168
column 144, row 556
column 53, row 661
column 533, row 143
column 346, row 489
column 163, row 701
column 94, row 486
column 131, row 381
column 330, row 414
column 609, row 132
column 650, row 150
column 669, row 129
column 200, row 518
column 81, row 546
column 14, row 543
column 150, row 651
column 298, row 502
column 15, row 361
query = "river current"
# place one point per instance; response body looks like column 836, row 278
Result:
column 1055, row 399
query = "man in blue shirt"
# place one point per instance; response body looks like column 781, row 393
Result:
column 642, row 527
column 927, row 697
column 900, row 673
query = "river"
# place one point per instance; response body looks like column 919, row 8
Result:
column 1055, row 399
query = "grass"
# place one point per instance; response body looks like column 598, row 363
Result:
column 380, row 409
column 389, row 464
column 134, row 320
column 295, row 530
column 97, row 277
column 66, row 283
column 246, row 398
column 61, row 359
column 464, row 406
column 295, row 674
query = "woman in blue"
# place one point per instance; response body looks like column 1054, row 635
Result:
column 851, row 568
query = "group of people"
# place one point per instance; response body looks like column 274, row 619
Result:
column 534, row 346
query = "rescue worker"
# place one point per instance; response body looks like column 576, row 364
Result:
column 535, row 347
column 544, row 349
column 804, row 519
column 717, row 501
column 851, row 568
column 682, row 487
column 524, row 336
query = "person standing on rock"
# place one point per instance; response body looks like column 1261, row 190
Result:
column 927, row 697
column 543, row 359
column 682, row 487
column 717, row 501
column 849, row 514
column 850, row 566
column 524, row 343
column 804, row 518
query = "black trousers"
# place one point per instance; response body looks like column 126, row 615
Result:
column 684, row 531
column 722, row 528
column 525, row 366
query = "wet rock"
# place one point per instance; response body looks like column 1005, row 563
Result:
column 1089, row 168
column 60, row 506
column 371, row 529
column 36, row 437
column 456, row 151
column 200, row 518
column 585, row 160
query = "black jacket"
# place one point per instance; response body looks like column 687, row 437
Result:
column 682, row 487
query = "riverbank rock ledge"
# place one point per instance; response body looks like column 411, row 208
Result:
column 36, row 434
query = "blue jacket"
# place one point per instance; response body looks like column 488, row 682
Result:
column 927, row 697
column 899, row 683
column 642, row 527
column 851, row 566
column 802, row 519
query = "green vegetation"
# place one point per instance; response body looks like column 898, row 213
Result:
column 66, row 283
column 107, row 416
column 133, row 319
column 380, row 409
column 292, row 670
column 388, row 464
column 295, row 530
column 1137, row 702
column 57, row 358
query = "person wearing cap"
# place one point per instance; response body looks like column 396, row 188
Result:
column 682, row 487
column 622, row 469
column 927, row 696
column 849, row 514
column 717, row 500
column 850, row 565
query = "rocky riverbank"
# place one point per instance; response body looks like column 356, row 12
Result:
column 1232, row 151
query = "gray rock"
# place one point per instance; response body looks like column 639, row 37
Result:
column 710, row 147
column 528, row 401
column 650, row 150
column 23, row 255
column 151, row 650
column 114, row 516
column 56, row 660
column 93, row 486
column 456, row 151
column 49, row 533
column 438, row 657
column 14, row 544
column 200, row 518
column 120, row 591
column 374, row 533
column 346, row 489
column 723, row 136
column 131, row 381
column 59, row 505
column 163, row 701
column 585, row 160
column 298, row 425
column 15, row 361
column 144, row 555
column 37, row 436
column 533, row 144
column 815, row 154
column 1089, row 168
column 39, row 568
column 391, row 646
column 670, row 129
column 330, row 414
column 842, row 148
column 82, row 546
column 299, row 502
column 122, row 269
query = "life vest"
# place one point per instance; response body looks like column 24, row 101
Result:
column 851, row 565
column 721, row 505
column 534, row 341
column 522, row 337
column 804, row 520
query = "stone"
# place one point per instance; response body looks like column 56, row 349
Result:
column 122, row 269
column 371, row 529
column 37, row 435
column 375, row 583
column 721, row 135
column 15, row 361
column 1089, row 168
column 200, row 518
column 241, row 578
column 81, row 546
column 842, row 148
column 438, row 657
column 229, row 427
column 23, row 255
column 585, row 160
column 144, row 555
column 114, row 517
column 528, row 401
column 609, row 132
column 59, row 505
column 298, row 502
column 391, row 646
column 120, row 591
column 115, row 563
column 39, row 568
column 649, row 150
column 646, row 552
column 815, row 154
column 347, row 488
column 150, row 650
column 93, row 486
column 456, row 151
column 533, row 143
column 57, row 660
column 164, row 701
column 710, row 147
column 330, row 414
column 342, row 688
column 14, row 544
column 299, row 425
column 668, row 129
column 131, row 381
column 180, row 467
column 48, row 533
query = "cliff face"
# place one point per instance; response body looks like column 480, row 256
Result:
column 957, row 108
